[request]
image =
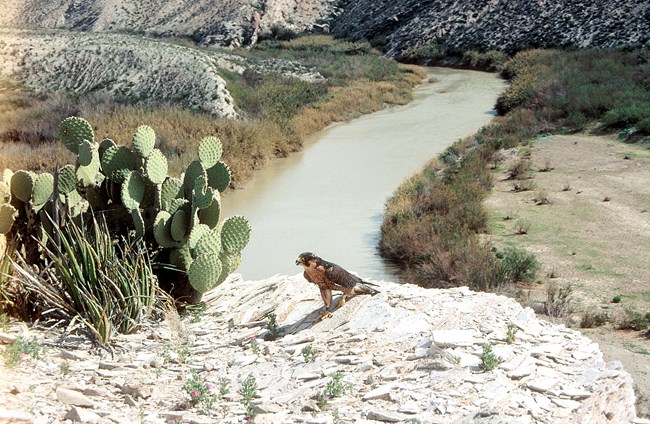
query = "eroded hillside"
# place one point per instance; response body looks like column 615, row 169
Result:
column 230, row 23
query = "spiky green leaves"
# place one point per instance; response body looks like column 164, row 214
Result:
column 235, row 233
column 172, row 188
column 210, row 150
column 162, row 231
column 210, row 215
column 202, row 194
column 8, row 215
column 144, row 140
column 74, row 130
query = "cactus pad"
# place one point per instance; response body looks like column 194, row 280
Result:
column 132, row 191
column 88, row 163
column 73, row 130
column 117, row 162
column 22, row 184
column 67, row 179
column 181, row 258
column 177, row 204
column 229, row 262
column 138, row 222
column 202, row 194
column 194, row 171
column 143, row 140
column 209, row 242
column 161, row 230
column 210, row 215
column 172, row 188
column 104, row 145
column 43, row 188
column 8, row 215
column 179, row 225
column 196, row 233
column 235, row 233
column 204, row 272
column 210, row 150
column 219, row 176
column 156, row 167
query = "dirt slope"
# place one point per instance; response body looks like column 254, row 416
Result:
column 594, row 235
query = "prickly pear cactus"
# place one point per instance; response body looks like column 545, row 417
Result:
column 179, row 218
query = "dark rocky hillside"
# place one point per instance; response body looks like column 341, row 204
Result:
column 497, row 24
column 469, row 24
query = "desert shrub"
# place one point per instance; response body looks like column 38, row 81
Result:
column 634, row 320
column 519, row 169
column 592, row 319
column 558, row 300
column 518, row 265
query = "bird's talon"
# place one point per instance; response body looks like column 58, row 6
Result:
column 325, row 316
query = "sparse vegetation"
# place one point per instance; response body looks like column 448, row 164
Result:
column 248, row 392
column 334, row 388
column 308, row 353
column 591, row 319
column 489, row 361
column 550, row 91
column 272, row 327
column 559, row 302
column 512, row 331
column 199, row 391
column 20, row 349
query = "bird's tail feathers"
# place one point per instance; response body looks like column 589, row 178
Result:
column 364, row 288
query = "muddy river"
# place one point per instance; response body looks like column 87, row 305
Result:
column 329, row 198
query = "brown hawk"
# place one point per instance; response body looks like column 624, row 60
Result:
column 329, row 276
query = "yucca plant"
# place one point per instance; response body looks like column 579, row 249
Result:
column 109, row 286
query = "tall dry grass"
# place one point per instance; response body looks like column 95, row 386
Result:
column 279, row 112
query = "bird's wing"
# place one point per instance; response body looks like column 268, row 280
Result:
column 326, row 294
column 341, row 277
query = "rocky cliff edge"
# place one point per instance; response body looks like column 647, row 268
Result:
column 407, row 354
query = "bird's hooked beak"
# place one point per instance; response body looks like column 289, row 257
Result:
column 298, row 261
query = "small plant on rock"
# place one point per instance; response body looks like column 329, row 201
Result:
column 255, row 345
column 510, row 335
column 272, row 326
column 308, row 353
column 199, row 391
column 248, row 392
column 334, row 388
column 617, row 299
column 21, row 349
column 489, row 360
